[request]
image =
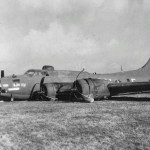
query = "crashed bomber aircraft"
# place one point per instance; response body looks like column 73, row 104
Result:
column 48, row 83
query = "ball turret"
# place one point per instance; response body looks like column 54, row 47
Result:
column 47, row 67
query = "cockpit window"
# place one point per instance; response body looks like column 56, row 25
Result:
column 30, row 73
column 33, row 73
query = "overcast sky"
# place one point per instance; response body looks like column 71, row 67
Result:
column 98, row 35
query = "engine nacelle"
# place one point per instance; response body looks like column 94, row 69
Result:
column 90, row 89
column 50, row 89
column 57, row 90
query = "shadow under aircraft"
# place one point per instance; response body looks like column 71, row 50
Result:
column 50, row 84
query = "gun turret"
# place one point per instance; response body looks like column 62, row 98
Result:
column 47, row 67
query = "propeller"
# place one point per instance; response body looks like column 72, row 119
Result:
column 41, row 84
column 43, row 93
column 75, row 91
column 37, row 94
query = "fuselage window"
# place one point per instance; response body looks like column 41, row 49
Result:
column 128, row 80
column 16, row 82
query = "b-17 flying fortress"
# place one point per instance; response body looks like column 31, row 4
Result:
column 48, row 83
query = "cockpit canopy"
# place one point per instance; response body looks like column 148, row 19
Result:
column 33, row 72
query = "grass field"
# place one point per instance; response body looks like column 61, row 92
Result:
column 64, row 125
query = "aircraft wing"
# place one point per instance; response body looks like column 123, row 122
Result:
column 90, row 89
column 128, row 88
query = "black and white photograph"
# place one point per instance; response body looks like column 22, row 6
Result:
column 74, row 75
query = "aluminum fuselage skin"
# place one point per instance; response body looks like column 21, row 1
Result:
column 20, row 86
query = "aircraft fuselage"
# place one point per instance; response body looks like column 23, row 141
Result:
column 22, row 86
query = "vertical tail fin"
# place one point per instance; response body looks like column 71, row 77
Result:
column 146, row 67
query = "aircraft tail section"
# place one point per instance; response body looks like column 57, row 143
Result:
column 146, row 67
